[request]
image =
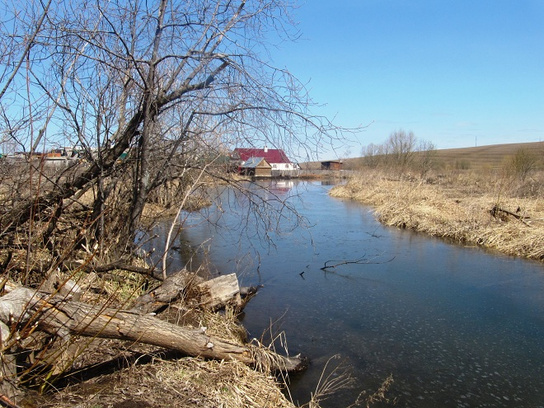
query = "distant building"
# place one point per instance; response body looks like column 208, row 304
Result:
column 276, row 158
column 331, row 165
column 256, row 167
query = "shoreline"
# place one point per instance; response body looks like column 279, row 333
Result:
column 509, row 225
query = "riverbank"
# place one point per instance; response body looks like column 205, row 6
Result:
column 157, row 380
column 120, row 374
column 116, row 373
column 499, row 214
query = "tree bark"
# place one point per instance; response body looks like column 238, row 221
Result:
column 212, row 294
column 170, row 289
column 220, row 292
column 61, row 316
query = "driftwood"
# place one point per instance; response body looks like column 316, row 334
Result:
column 220, row 292
column 212, row 294
column 56, row 311
column 61, row 316
column 497, row 212
column 170, row 290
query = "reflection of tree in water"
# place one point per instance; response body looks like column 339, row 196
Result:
column 191, row 256
column 183, row 254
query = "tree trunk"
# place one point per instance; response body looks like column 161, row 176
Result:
column 212, row 294
column 170, row 289
column 61, row 316
column 220, row 292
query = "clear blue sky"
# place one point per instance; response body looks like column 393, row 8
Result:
column 455, row 72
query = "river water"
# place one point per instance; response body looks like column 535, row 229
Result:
column 454, row 326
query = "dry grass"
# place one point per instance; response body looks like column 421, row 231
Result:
column 156, row 378
column 187, row 382
column 457, row 208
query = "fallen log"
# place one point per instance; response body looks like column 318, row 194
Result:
column 171, row 289
column 497, row 211
column 212, row 294
column 62, row 316
column 220, row 292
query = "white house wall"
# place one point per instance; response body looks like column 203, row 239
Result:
column 283, row 166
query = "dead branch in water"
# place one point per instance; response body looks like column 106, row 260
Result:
column 360, row 261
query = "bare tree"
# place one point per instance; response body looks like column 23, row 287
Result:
column 148, row 89
column 426, row 157
column 523, row 162
column 400, row 149
column 401, row 152
column 152, row 94
column 373, row 155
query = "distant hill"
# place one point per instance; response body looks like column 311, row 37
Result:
column 470, row 158
column 485, row 157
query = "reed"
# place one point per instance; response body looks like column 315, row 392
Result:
column 459, row 207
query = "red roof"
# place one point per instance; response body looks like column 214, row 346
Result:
column 270, row 155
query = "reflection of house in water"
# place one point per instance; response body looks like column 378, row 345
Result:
column 280, row 164
column 281, row 186
column 331, row 165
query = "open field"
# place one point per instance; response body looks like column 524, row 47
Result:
column 484, row 157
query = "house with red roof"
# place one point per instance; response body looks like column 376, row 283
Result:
column 281, row 165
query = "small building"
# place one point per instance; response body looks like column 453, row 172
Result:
column 331, row 165
column 256, row 167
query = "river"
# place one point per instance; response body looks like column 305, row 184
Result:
column 454, row 326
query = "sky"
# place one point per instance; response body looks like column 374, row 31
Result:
column 457, row 73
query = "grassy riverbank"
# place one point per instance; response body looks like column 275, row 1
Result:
column 489, row 210
column 126, row 374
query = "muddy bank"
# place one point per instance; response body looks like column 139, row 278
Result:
column 465, row 211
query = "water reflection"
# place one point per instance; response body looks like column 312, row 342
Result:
column 456, row 327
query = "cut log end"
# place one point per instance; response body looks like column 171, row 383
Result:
column 296, row 363
column 220, row 292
